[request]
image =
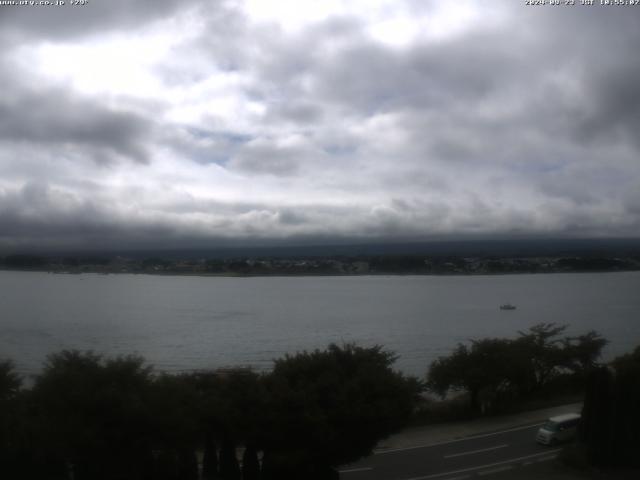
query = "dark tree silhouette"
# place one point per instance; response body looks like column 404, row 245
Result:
column 583, row 351
column 91, row 417
column 544, row 349
column 489, row 367
column 92, row 414
column 250, row 464
column 187, row 464
column 596, row 415
column 231, row 408
column 229, row 466
column 10, row 383
column 610, row 417
column 497, row 369
column 332, row 407
column 210, row 458
column 176, row 432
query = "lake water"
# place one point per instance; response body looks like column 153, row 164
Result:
column 181, row 323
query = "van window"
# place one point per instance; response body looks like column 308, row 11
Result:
column 551, row 426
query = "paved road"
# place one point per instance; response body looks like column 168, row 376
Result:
column 479, row 455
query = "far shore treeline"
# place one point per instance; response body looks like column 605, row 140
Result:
column 361, row 264
column 87, row 416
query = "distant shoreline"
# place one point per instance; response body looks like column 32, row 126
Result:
column 310, row 274
column 334, row 266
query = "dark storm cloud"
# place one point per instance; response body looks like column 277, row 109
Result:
column 299, row 113
column 264, row 130
column 220, row 25
column 452, row 79
column 60, row 22
column 614, row 111
column 55, row 118
column 266, row 156
column 372, row 78
column 600, row 49
column 39, row 211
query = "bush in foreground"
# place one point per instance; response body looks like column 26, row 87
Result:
column 89, row 417
column 332, row 407
column 496, row 372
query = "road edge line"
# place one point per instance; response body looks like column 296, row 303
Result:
column 471, row 452
column 471, row 469
column 471, row 437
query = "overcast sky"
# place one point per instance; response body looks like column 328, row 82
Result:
column 162, row 123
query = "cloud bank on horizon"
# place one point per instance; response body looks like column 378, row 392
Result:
column 174, row 124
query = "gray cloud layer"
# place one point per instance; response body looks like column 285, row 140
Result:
column 53, row 118
column 55, row 23
column 165, row 124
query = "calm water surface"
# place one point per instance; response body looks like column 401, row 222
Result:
column 182, row 323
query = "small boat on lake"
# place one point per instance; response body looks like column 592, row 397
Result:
column 507, row 306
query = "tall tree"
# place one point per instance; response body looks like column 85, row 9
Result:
column 595, row 428
column 489, row 365
column 250, row 463
column 210, row 458
column 611, row 420
column 93, row 413
column 231, row 410
column 173, row 404
column 331, row 407
column 10, row 383
column 229, row 466
column 583, row 351
column 544, row 348
column 498, row 368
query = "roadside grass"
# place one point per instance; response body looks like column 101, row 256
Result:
column 433, row 410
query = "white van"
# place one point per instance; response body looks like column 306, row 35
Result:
column 558, row 429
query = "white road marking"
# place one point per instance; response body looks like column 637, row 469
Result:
column 546, row 459
column 352, row 470
column 472, row 437
column 496, row 470
column 476, row 451
column 479, row 467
